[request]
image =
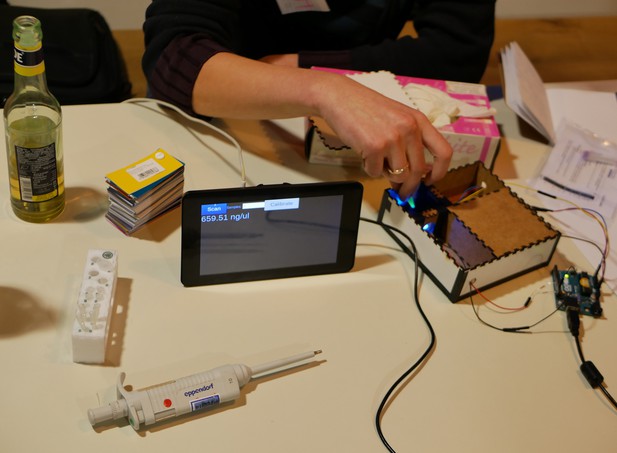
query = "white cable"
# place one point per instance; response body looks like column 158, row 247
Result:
column 232, row 140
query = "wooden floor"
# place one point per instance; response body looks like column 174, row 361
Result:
column 562, row 50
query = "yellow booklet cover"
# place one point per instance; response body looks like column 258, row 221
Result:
column 139, row 177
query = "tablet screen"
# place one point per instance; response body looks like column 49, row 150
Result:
column 264, row 232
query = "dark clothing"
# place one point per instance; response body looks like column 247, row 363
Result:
column 453, row 43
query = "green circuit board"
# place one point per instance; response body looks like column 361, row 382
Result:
column 577, row 289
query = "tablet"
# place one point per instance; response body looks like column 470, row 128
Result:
column 269, row 231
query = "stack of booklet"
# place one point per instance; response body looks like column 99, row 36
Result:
column 545, row 108
column 144, row 190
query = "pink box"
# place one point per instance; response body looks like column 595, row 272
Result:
column 472, row 139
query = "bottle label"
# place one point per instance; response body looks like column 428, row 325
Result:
column 29, row 61
column 37, row 169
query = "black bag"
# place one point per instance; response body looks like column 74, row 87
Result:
column 82, row 61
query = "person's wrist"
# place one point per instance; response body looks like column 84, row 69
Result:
column 323, row 90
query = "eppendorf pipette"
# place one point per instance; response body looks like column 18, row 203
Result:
column 181, row 396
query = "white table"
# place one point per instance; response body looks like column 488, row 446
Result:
column 481, row 390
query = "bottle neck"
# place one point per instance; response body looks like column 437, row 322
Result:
column 36, row 82
column 29, row 68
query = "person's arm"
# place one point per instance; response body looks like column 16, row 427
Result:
column 387, row 134
column 189, row 61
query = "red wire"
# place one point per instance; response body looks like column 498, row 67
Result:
column 493, row 303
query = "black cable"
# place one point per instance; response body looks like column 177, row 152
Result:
column 608, row 396
column 588, row 369
column 519, row 329
column 574, row 326
column 579, row 349
column 428, row 350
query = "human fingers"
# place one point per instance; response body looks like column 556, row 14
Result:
column 400, row 159
column 441, row 151
column 417, row 168
column 373, row 164
column 397, row 167
column 431, row 139
column 408, row 186
column 383, row 155
column 391, row 163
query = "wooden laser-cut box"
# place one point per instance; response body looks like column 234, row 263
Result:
column 487, row 238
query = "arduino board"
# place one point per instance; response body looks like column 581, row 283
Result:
column 578, row 290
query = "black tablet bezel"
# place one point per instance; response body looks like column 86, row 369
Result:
column 351, row 192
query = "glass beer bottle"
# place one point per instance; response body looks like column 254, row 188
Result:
column 33, row 129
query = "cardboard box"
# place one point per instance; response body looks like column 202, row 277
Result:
column 485, row 238
column 472, row 139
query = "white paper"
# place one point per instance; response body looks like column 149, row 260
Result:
column 582, row 168
column 525, row 93
column 592, row 110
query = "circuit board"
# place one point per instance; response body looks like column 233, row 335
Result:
column 576, row 289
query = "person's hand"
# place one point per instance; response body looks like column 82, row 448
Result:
column 288, row 59
column 390, row 136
